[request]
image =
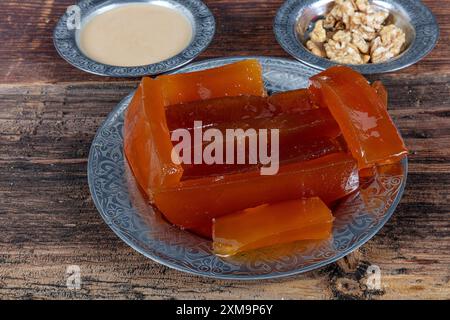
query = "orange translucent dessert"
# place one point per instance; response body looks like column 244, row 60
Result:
column 219, row 110
column 312, row 122
column 304, row 133
column 381, row 91
column 272, row 224
column 302, row 136
column 230, row 109
column 340, row 112
column 300, row 150
column 147, row 142
column 294, row 100
column 195, row 202
column 203, row 230
column 370, row 134
column 239, row 78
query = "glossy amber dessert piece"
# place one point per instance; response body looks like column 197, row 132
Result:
column 272, row 224
column 203, row 230
column 312, row 122
column 302, row 136
column 298, row 100
column 370, row 134
column 195, row 202
column 219, row 110
column 292, row 101
column 304, row 133
column 147, row 141
column 237, row 108
column 367, row 172
column 239, row 78
column 381, row 91
column 298, row 150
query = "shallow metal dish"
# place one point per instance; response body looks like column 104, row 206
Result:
column 115, row 194
column 414, row 18
column 66, row 41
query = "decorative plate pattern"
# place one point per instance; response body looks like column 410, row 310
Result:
column 123, row 208
column 418, row 15
column 196, row 11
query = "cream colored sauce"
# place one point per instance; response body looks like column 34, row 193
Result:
column 135, row 35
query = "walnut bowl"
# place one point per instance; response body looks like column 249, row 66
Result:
column 296, row 19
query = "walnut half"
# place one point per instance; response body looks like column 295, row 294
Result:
column 388, row 44
column 316, row 48
column 341, row 49
column 318, row 34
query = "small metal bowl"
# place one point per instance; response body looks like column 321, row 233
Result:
column 296, row 18
column 65, row 39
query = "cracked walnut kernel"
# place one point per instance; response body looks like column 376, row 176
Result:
column 318, row 34
column 341, row 49
column 315, row 48
column 355, row 32
column 388, row 44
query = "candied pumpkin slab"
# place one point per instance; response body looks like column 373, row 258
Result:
column 272, row 224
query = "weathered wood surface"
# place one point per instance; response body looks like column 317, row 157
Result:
column 49, row 113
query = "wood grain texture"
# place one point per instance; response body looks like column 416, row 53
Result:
column 49, row 113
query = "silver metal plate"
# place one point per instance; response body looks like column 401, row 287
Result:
column 66, row 40
column 414, row 18
column 115, row 194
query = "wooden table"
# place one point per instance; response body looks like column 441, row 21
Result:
column 50, row 111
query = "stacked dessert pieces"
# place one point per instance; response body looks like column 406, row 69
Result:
column 328, row 134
